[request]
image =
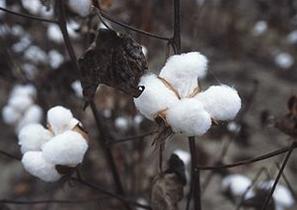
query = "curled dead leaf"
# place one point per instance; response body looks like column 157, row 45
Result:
column 113, row 59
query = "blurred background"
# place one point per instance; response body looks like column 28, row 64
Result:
column 251, row 45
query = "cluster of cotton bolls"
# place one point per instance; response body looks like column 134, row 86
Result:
column 175, row 96
column 21, row 109
column 238, row 186
column 63, row 143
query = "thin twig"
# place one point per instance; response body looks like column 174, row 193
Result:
column 286, row 159
column 103, row 14
column 10, row 155
column 113, row 195
column 104, row 137
column 177, row 28
column 28, row 16
column 195, row 175
column 20, row 202
column 108, row 154
column 132, row 138
column 249, row 161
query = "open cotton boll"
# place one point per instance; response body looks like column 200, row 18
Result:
column 55, row 58
column 221, row 102
column 155, row 97
column 183, row 155
column 81, row 7
column 188, row 117
column 20, row 103
column 36, row 165
column 67, row 148
column 238, row 185
column 24, row 90
column 121, row 123
column 32, row 137
column 32, row 115
column 182, row 72
column 59, row 119
column 281, row 195
column 10, row 115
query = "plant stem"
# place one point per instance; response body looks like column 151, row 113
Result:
column 195, row 175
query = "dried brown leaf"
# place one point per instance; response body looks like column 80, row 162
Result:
column 115, row 60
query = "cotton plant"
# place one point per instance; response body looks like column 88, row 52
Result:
column 175, row 96
column 61, row 143
column 81, row 7
column 21, row 109
column 237, row 185
column 282, row 196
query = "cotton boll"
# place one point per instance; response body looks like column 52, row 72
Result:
column 20, row 103
column 121, row 123
column 10, row 115
column 188, row 117
column 81, row 7
column 281, row 195
column 67, row 148
column 31, row 116
column 36, row 165
column 33, row 6
column 77, row 88
column 284, row 60
column 55, row 58
column 54, row 34
column 3, row 5
column 183, row 155
column 32, row 137
column 292, row 37
column 35, row 54
column 155, row 97
column 238, row 185
column 144, row 50
column 59, row 119
column 182, row 72
column 221, row 102
column 23, row 90
column 259, row 28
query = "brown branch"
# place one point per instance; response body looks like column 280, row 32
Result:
column 20, row 202
column 112, row 195
column 252, row 160
column 15, row 157
column 286, row 159
column 101, row 13
column 138, row 137
column 28, row 16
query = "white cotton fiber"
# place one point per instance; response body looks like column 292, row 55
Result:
column 284, row 60
column 281, row 195
column 183, row 155
column 32, row 115
column 221, row 102
column 77, row 88
column 155, row 97
column 121, row 123
column 10, row 115
column 54, row 33
column 67, row 148
column 35, row 164
column 55, row 58
column 188, row 117
column 32, row 137
column 182, row 72
column 59, row 119
column 237, row 184
column 81, row 7
column 24, row 90
column 20, row 103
